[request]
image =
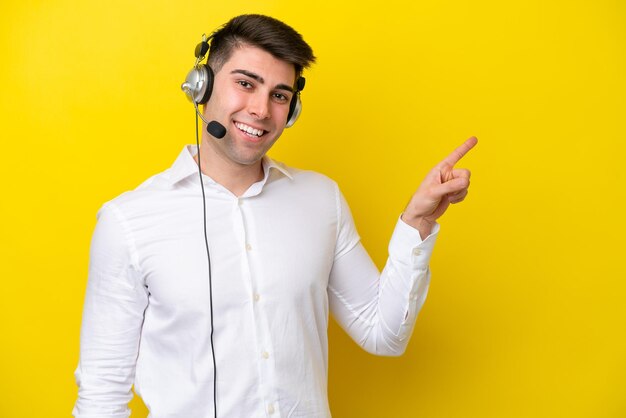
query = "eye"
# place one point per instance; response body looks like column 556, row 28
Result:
column 279, row 97
column 245, row 84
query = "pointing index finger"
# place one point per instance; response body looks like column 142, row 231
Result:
column 458, row 153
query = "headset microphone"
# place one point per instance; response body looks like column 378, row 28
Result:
column 216, row 129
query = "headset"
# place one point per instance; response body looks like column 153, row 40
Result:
column 198, row 85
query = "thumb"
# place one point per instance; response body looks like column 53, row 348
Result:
column 452, row 186
column 433, row 177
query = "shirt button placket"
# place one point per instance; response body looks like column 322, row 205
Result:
column 243, row 207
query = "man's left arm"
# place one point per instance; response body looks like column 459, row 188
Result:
column 379, row 310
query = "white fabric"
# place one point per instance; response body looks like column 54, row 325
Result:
column 282, row 255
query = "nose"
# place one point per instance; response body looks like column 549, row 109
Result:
column 259, row 106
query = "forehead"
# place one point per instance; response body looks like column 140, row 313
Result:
column 256, row 60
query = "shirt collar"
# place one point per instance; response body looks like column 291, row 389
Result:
column 185, row 166
column 268, row 163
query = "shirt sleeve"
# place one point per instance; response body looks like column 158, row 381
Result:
column 378, row 310
column 113, row 314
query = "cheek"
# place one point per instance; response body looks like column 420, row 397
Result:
column 280, row 112
column 226, row 101
column 233, row 102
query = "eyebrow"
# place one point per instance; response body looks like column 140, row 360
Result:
column 261, row 80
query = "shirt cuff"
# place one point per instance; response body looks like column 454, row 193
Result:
column 407, row 245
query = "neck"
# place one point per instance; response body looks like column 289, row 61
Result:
column 237, row 178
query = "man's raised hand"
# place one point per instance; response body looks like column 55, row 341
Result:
column 442, row 186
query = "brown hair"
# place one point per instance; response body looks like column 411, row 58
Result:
column 264, row 32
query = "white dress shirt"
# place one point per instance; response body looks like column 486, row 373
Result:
column 282, row 255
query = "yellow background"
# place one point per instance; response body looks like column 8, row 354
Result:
column 526, row 312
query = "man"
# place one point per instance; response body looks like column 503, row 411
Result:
column 244, row 333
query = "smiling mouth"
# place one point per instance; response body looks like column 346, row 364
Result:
column 249, row 130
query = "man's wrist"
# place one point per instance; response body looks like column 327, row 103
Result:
column 422, row 224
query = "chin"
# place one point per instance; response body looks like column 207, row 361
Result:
column 247, row 159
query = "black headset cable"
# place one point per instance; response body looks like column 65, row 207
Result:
column 208, row 254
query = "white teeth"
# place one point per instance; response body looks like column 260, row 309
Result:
column 249, row 129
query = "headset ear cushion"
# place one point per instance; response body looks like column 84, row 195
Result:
column 208, row 85
column 295, row 107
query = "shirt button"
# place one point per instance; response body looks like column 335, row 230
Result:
column 248, row 247
column 239, row 202
column 270, row 409
column 256, row 297
column 417, row 251
column 265, row 355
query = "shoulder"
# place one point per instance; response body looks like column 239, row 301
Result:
column 302, row 190
column 146, row 194
column 308, row 179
